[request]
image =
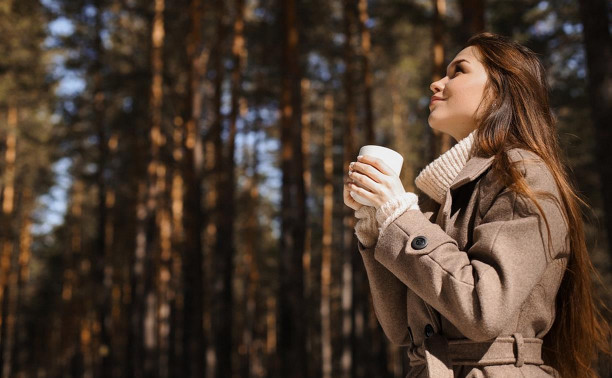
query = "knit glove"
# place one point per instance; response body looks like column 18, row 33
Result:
column 393, row 208
column 366, row 227
column 372, row 222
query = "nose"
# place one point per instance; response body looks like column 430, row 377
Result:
column 438, row 86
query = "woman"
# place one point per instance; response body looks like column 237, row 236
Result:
column 483, row 272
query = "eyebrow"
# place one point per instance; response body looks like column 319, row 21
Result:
column 455, row 63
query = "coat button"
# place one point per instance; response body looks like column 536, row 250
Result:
column 429, row 330
column 419, row 242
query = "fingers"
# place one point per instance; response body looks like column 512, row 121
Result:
column 376, row 163
column 365, row 170
column 348, row 199
column 361, row 191
column 362, row 181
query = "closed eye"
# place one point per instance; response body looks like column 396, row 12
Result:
column 457, row 70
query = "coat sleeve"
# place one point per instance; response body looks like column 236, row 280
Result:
column 428, row 206
column 388, row 292
column 479, row 289
column 388, row 298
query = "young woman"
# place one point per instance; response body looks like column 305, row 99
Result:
column 483, row 272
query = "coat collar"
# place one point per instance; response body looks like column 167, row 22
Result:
column 472, row 169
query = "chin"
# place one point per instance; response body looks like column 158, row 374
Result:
column 435, row 125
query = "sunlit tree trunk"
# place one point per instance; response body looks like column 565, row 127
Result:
column 8, row 242
column 156, row 250
column 20, row 348
column 349, row 244
column 307, row 258
column 326, row 245
column 139, row 275
column 366, row 47
column 365, row 346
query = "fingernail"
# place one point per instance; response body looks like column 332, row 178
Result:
column 359, row 157
column 352, row 164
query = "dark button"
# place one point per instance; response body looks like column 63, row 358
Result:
column 429, row 330
column 419, row 242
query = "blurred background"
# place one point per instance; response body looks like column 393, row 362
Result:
column 172, row 172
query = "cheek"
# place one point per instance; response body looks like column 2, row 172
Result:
column 465, row 97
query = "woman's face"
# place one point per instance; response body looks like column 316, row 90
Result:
column 461, row 91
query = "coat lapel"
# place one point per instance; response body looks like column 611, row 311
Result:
column 473, row 168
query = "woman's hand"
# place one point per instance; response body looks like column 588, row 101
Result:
column 348, row 199
column 374, row 180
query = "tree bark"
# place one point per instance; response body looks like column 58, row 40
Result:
column 439, row 141
column 366, row 46
column 472, row 19
column 349, row 246
column 326, row 245
column 597, row 43
column 194, row 341
column 102, row 267
column 292, row 334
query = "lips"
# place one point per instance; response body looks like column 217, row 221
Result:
column 434, row 99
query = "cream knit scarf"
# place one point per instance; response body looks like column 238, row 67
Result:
column 434, row 180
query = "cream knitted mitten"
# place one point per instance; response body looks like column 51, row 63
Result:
column 393, row 208
column 366, row 228
column 372, row 222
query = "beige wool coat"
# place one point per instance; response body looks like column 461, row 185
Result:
column 469, row 287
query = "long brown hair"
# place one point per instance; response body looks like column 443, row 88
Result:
column 515, row 112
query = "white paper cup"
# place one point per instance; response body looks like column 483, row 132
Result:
column 390, row 157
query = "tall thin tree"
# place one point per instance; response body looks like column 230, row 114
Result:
column 292, row 334
column 597, row 43
column 194, row 341
column 440, row 142
column 348, row 220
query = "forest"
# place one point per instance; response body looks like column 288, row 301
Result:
column 171, row 172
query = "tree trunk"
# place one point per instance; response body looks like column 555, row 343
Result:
column 326, row 245
column 597, row 43
column 156, row 214
column 194, row 341
column 7, row 239
column 472, row 19
column 350, row 153
column 223, row 246
column 20, row 348
column 292, row 334
column 367, row 71
column 307, row 256
column 226, row 188
column 102, row 267
column 439, row 141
